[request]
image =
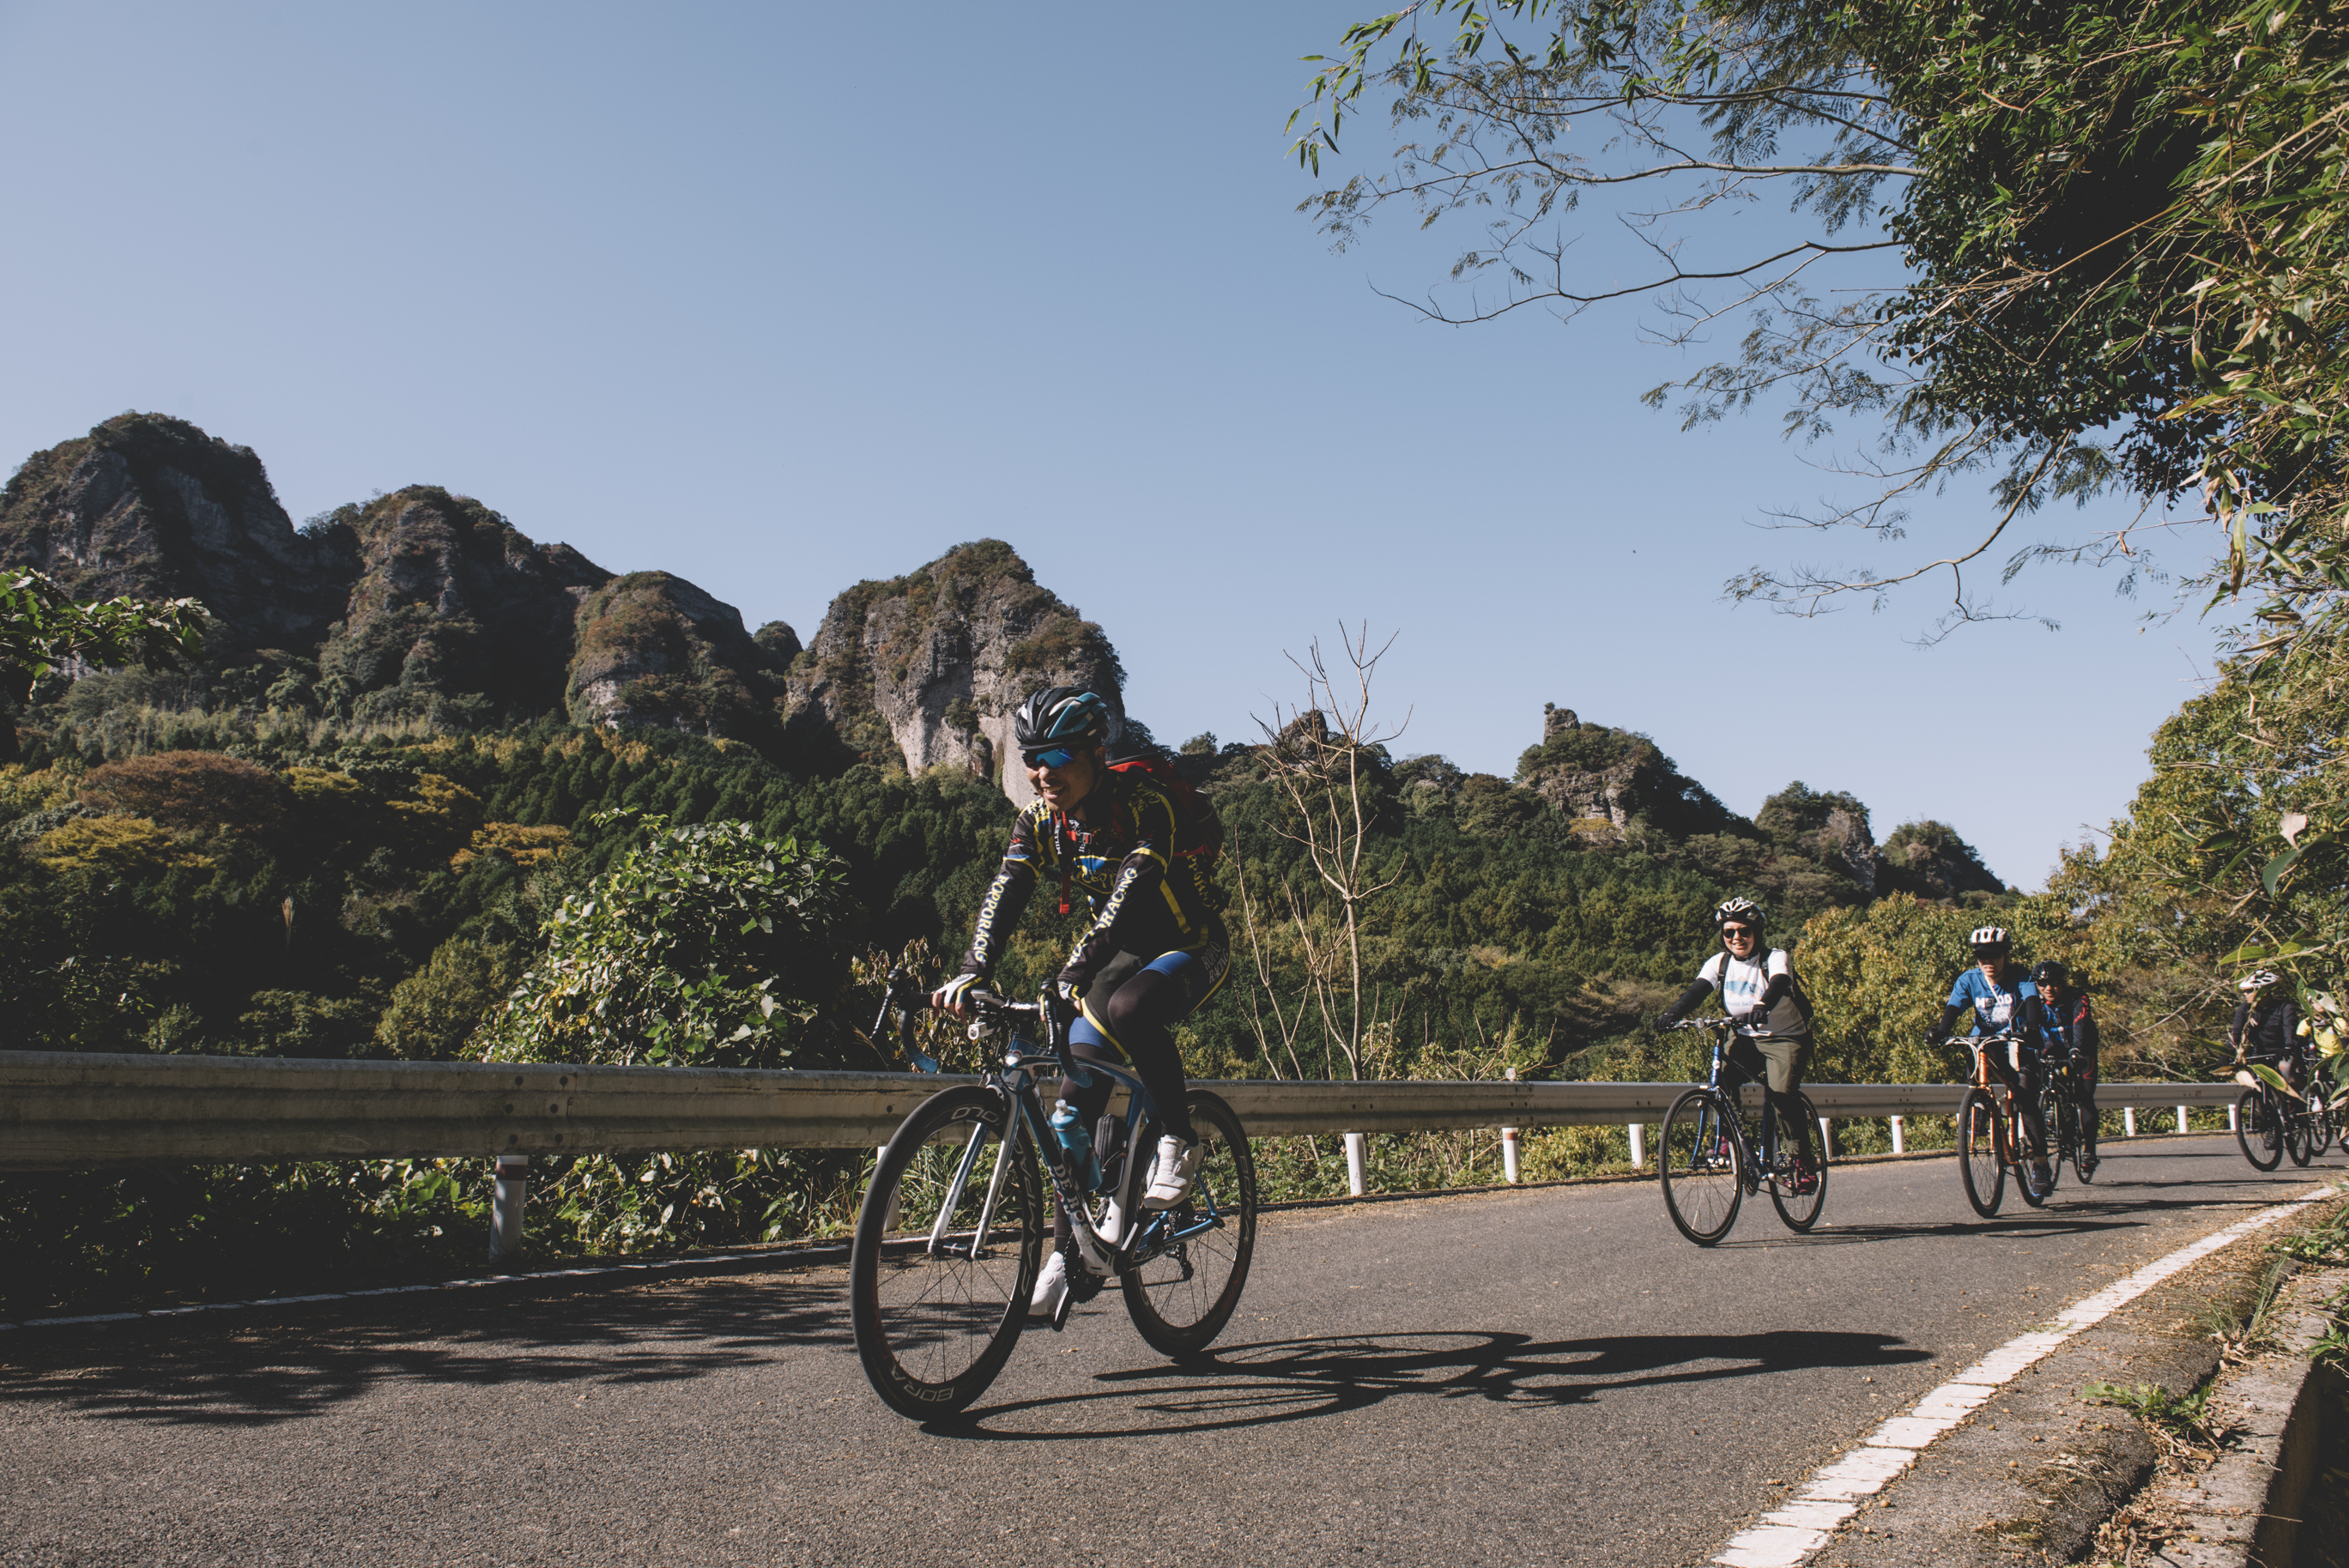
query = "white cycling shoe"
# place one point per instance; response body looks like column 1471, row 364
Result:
column 1051, row 1288
column 1171, row 1173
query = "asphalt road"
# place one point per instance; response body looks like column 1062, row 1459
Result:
column 1511, row 1378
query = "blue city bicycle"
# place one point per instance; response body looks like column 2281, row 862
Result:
column 951, row 1234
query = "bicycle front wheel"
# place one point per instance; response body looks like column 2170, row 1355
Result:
column 1981, row 1162
column 2256, row 1130
column 1701, row 1165
column 2018, row 1144
column 1800, row 1209
column 949, row 1244
column 2322, row 1130
column 1185, row 1267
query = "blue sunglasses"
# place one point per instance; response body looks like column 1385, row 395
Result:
column 1058, row 757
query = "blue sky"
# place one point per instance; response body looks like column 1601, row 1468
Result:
column 778, row 298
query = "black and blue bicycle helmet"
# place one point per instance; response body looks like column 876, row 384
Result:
column 1063, row 716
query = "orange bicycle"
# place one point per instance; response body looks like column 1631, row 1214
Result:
column 1993, row 1136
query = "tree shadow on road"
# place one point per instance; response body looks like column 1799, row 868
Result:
column 198, row 1373
column 1293, row 1379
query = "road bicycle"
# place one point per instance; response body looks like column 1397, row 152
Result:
column 2273, row 1119
column 1705, row 1159
column 1991, row 1131
column 951, row 1234
column 2067, row 1109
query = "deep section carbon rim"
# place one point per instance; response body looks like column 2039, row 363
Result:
column 1181, row 1297
column 937, row 1303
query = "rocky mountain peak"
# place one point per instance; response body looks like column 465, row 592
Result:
column 152, row 506
column 925, row 669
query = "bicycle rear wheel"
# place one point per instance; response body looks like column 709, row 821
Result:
column 2322, row 1133
column 2256, row 1130
column 1701, row 1165
column 2300, row 1135
column 936, row 1301
column 1800, row 1209
column 1185, row 1266
column 1981, row 1161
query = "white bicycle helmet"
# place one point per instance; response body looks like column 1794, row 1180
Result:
column 2258, row 980
column 1744, row 911
column 1989, row 936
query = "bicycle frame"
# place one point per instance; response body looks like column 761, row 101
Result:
column 2017, row 1134
column 1150, row 1235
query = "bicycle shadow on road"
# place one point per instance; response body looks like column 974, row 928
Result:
column 1278, row 1380
column 304, row 1364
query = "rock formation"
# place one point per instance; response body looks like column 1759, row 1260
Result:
column 153, row 507
column 925, row 669
column 654, row 649
column 449, row 599
column 1603, row 780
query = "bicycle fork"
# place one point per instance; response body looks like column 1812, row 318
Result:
column 961, row 1182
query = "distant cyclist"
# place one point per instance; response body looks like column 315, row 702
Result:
column 1155, row 950
column 2266, row 1027
column 2069, row 1026
column 2002, row 996
column 1759, row 993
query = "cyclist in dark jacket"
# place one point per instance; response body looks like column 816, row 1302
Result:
column 1155, row 950
column 2068, row 1025
column 2266, row 1027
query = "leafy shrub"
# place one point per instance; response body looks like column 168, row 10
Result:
column 708, row 945
column 115, row 846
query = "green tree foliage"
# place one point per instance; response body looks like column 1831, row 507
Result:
column 2122, row 227
column 704, row 946
column 43, row 628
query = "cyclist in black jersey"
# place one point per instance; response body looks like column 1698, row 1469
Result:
column 1155, row 949
column 2068, row 1026
column 2266, row 1027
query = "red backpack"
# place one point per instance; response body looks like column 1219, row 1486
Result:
column 1202, row 830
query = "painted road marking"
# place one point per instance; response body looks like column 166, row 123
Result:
column 1791, row 1533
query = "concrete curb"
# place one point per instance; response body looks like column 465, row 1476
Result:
column 2245, row 1509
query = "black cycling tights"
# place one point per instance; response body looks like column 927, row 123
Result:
column 1138, row 1012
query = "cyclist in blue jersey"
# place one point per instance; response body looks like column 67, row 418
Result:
column 2001, row 995
column 1761, row 995
column 1154, row 950
column 2069, row 1026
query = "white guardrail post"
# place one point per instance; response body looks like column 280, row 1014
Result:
column 1900, row 1144
column 506, row 1201
column 1638, row 1147
column 2181, row 1119
column 1354, row 1163
column 1509, row 1146
column 2128, row 1121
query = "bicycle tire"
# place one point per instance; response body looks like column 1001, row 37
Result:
column 933, row 1329
column 1981, row 1161
column 2026, row 1183
column 2323, row 1131
column 1700, row 1151
column 2084, row 1161
column 2299, row 1135
column 2255, row 1122
column 1802, row 1212
column 1181, row 1298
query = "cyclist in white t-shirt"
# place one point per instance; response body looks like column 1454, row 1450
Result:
column 1762, row 997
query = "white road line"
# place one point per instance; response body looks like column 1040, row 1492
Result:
column 163, row 1312
column 1787, row 1534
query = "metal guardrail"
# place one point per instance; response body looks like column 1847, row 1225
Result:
column 62, row 1110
